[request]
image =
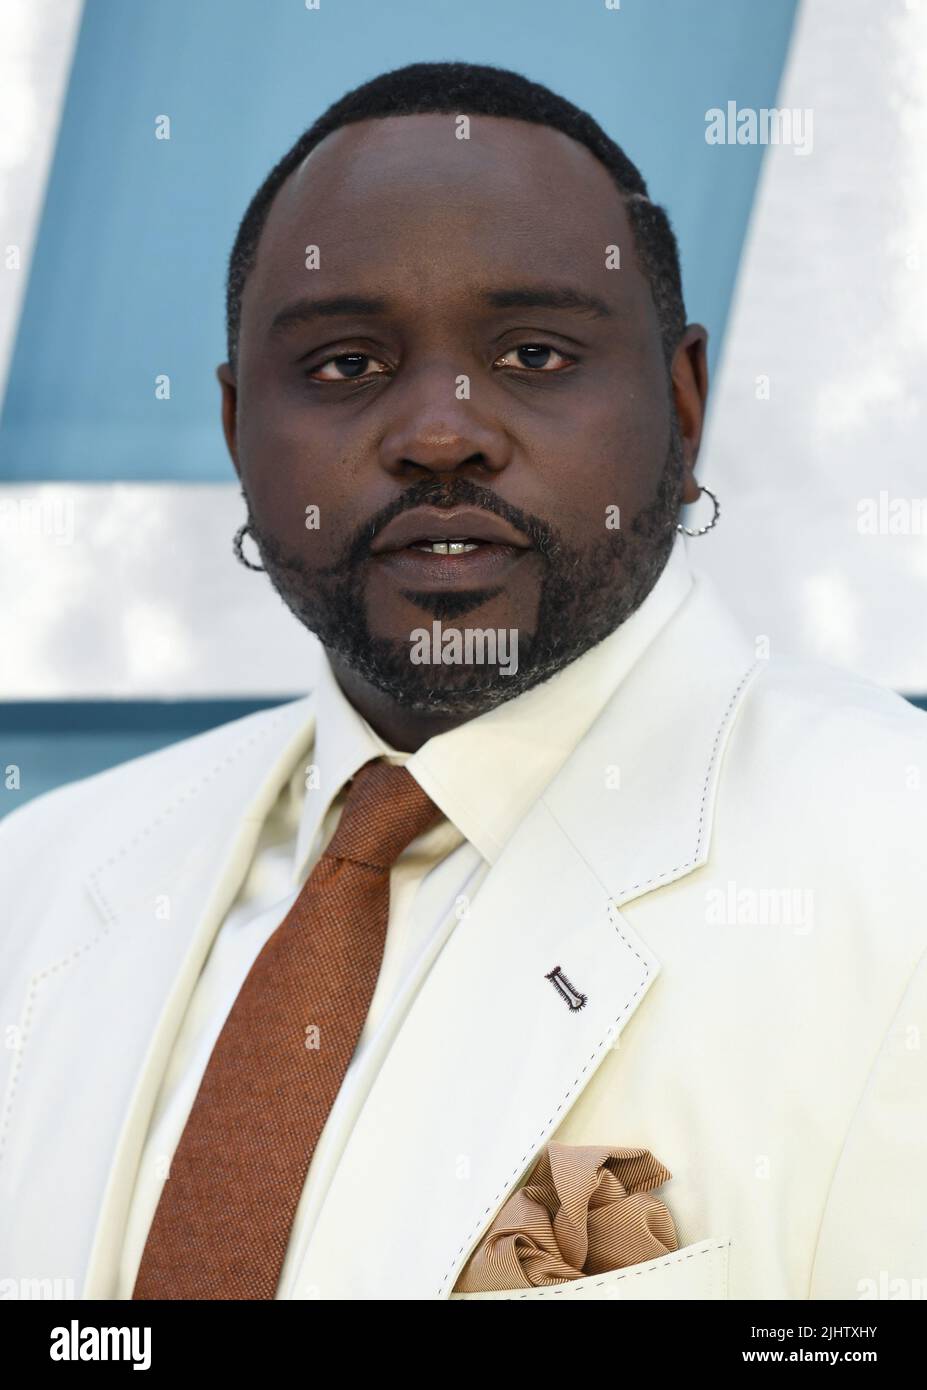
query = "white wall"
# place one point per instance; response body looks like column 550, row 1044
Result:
column 831, row 306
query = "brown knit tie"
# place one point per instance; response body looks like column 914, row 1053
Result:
column 223, row 1222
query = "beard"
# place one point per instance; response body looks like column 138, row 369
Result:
column 585, row 594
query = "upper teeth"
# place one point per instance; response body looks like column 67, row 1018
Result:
column 446, row 547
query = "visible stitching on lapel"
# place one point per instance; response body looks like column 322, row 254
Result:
column 39, row 979
column 569, row 1284
column 546, row 1128
column 31, row 993
column 701, row 810
column 658, row 879
column 94, row 876
column 17, row 1067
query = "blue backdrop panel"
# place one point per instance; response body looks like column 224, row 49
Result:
column 46, row 743
column 127, row 276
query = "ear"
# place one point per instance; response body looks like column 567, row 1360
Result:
column 226, row 378
column 690, row 392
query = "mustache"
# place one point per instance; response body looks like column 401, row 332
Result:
column 447, row 494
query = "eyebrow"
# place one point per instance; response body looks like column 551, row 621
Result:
column 303, row 311
column 549, row 297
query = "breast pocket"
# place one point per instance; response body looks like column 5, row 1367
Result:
column 696, row 1271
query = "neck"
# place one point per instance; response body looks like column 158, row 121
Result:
column 403, row 729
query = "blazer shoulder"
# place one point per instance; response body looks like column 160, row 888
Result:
column 91, row 801
column 823, row 710
column 815, row 684
column 823, row 785
column 823, row 747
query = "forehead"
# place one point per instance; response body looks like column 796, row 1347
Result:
column 403, row 199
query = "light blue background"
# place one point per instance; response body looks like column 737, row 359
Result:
column 127, row 280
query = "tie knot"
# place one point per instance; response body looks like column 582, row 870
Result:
column 385, row 810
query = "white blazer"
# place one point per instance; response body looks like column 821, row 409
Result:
column 732, row 867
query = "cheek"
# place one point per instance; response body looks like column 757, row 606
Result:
column 287, row 469
column 612, row 459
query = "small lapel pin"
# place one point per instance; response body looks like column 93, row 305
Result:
column 569, row 992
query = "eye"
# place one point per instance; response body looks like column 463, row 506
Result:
column 350, row 367
column 536, row 357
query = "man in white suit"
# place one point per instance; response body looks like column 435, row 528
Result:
column 669, row 909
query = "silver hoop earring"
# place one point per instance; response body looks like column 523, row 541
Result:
column 702, row 529
column 239, row 537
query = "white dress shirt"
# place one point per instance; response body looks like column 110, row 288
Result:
column 484, row 775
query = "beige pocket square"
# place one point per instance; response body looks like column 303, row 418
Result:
column 585, row 1209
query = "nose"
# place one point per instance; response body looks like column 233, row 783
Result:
column 436, row 426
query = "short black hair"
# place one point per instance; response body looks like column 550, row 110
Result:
column 474, row 89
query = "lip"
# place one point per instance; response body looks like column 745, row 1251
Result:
column 432, row 523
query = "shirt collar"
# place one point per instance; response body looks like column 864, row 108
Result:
column 344, row 741
column 487, row 773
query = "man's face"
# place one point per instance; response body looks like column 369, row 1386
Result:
column 420, row 370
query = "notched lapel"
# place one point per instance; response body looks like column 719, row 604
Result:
column 637, row 797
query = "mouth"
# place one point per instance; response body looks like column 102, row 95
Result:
column 431, row 547
column 451, row 563
column 439, row 546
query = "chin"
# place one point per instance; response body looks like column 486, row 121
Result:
column 437, row 689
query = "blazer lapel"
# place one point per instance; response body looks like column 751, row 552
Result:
column 151, row 965
column 537, row 982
